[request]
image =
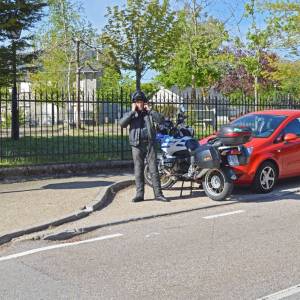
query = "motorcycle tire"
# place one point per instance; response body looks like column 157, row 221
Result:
column 217, row 185
column 166, row 182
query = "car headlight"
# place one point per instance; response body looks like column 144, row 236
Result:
column 250, row 150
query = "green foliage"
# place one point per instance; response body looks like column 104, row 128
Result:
column 284, row 18
column 110, row 80
column 141, row 34
column 17, row 16
column 7, row 119
column 288, row 77
column 258, row 41
column 56, row 40
column 197, row 59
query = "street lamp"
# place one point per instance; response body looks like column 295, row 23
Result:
column 15, row 34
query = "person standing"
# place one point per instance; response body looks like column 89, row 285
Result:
column 142, row 141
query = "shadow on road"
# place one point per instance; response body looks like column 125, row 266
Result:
column 285, row 189
column 73, row 185
column 77, row 185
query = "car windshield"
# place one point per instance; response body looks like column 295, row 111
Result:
column 262, row 125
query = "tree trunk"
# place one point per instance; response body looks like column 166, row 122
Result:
column 193, row 93
column 138, row 78
column 69, row 81
column 256, row 92
column 204, row 98
column 78, row 84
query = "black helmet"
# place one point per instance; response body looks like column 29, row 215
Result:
column 138, row 95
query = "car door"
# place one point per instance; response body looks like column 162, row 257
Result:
column 290, row 152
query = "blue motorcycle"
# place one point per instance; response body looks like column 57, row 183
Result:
column 183, row 159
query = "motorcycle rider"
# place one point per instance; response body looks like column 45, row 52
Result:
column 142, row 140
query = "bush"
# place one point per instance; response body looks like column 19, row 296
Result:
column 6, row 120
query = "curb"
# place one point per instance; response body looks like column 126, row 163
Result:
column 68, row 234
column 103, row 199
column 52, row 170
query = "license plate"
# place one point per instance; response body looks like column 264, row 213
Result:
column 233, row 160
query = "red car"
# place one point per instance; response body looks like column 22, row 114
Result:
column 274, row 148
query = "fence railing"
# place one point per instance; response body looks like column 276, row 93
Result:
column 50, row 131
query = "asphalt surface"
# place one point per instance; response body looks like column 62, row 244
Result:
column 244, row 251
column 32, row 203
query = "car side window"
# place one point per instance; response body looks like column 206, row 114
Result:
column 292, row 127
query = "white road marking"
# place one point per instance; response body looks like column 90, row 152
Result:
column 33, row 251
column 152, row 233
column 224, row 214
column 283, row 294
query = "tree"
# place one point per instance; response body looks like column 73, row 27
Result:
column 197, row 58
column 140, row 34
column 111, row 71
column 57, row 41
column 258, row 42
column 287, row 76
column 17, row 16
column 65, row 42
column 238, row 81
column 284, row 18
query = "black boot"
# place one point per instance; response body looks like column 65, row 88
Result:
column 138, row 198
column 162, row 198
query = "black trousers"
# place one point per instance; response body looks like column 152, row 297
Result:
column 139, row 153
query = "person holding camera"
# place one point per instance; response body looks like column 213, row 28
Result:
column 142, row 136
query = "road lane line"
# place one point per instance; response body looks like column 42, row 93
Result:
column 33, row 251
column 224, row 214
column 152, row 233
column 283, row 294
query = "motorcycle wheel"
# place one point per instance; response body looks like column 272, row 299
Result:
column 165, row 181
column 217, row 185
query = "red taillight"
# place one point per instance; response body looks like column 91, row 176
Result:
column 231, row 134
column 235, row 134
column 235, row 152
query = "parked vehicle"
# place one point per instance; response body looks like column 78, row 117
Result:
column 183, row 159
column 274, row 148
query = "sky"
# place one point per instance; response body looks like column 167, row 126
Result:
column 95, row 10
column 223, row 9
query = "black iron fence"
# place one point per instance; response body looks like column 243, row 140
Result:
column 56, row 127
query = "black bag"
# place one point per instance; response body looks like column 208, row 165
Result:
column 231, row 135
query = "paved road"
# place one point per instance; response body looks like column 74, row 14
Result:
column 244, row 251
column 122, row 209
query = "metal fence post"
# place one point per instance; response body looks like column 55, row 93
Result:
column 216, row 114
column 122, row 129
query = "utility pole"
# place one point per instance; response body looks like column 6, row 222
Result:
column 78, row 83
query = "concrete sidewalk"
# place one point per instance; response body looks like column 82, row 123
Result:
column 28, row 204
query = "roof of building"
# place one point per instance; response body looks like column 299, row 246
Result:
column 92, row 69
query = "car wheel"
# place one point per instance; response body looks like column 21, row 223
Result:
column 265, row 178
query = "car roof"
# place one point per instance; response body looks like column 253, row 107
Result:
column 279, row 112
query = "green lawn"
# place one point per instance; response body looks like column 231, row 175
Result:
column 57, row 149
column 72, row 146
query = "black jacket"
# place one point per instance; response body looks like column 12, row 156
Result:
column 139, row 121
